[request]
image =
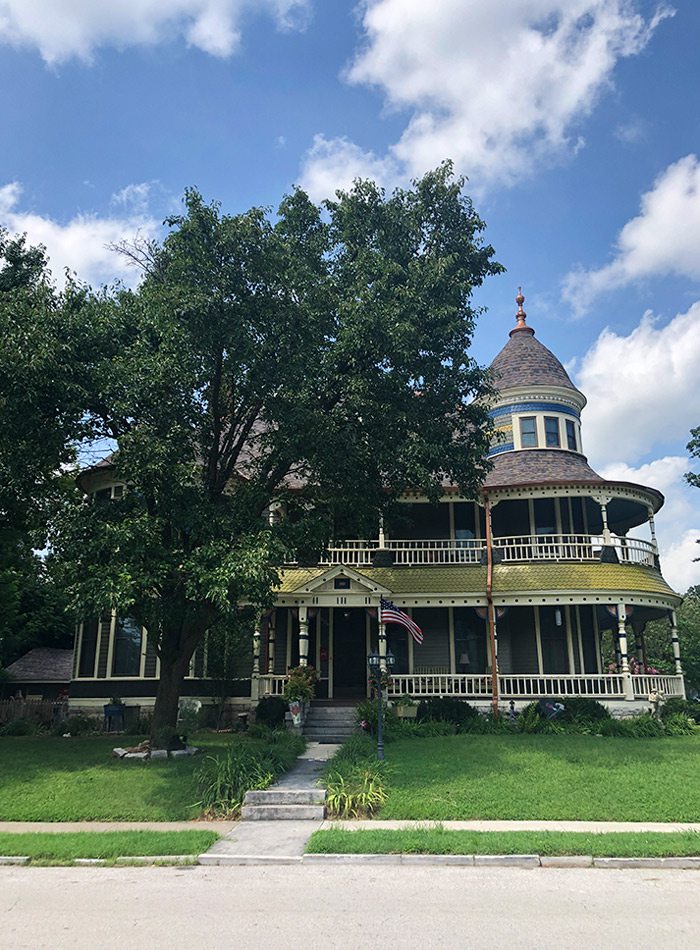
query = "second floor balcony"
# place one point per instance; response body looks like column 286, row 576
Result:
column 514, row 549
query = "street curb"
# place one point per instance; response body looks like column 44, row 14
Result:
column 213, row 860
column 160, row 859
column 10, row 859
column 505, row 860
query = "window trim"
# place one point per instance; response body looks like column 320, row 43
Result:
column 534, row 434
column 555, row 420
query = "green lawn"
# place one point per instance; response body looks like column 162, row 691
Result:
column 63, row 847
column 54, row 779
column 544, row 777
column 440, row 841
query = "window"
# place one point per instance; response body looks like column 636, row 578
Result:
column 127, row 648
column 571, row 435
column 551, row 432
column 528, row 432
column 88, row 649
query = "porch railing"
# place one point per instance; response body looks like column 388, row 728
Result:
column 646, row 683
column 272, row 685
column 537, row 686
column 516, row 548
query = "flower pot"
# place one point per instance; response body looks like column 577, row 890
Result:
column 407, row 712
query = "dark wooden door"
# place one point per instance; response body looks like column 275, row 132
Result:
column 349, row 652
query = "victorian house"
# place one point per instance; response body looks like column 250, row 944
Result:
column 539, row 587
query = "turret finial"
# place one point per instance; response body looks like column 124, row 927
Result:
column 520, row 316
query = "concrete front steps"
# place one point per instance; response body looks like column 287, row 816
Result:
column 284, row 804
column 330, row 724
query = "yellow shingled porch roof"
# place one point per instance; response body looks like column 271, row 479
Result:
column 506, row 578
column 584, row 577
column 400, row 580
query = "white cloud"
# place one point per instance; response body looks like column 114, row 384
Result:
column 62, row 29
column 663, row 239
column 643, row 394
column 83, row 243
column 335, row 163
column 643, row 389
column 674, row 523
column 497, row 87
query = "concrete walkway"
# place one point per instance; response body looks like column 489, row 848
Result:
column 258, row 842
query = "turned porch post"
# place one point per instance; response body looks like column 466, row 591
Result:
column 382, row 644
column 675, row 644
column 271, row 637
column 303, row 636
column 624, row 662
column 255, row 682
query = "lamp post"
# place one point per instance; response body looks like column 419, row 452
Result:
column 374, row 662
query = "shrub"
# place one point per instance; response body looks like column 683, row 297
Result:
column 270, row 711
column 300, row 684
column 19, row 727
column 685, row 707
column 446, row 709
column 356, row 791
column 77, row 724
column 581, row 709
column 679, row 725
column 249, row 764
column 366, row 715
column 638, row 727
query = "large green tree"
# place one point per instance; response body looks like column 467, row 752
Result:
column 40, row 419
column 325, row 349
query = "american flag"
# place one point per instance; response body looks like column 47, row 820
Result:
column 390, row 613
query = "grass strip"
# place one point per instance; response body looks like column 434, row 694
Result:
column 659, row 844
column 62, row 847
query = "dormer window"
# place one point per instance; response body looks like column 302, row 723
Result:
column 528, row 432
column 551, row 432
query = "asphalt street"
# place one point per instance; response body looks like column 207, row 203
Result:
column 347, row 907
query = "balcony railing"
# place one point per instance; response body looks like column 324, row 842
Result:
column 513, row 549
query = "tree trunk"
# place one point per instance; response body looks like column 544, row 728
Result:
column 173, row 669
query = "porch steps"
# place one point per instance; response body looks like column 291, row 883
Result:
column 334, row 724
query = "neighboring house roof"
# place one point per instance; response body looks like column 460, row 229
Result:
column 43, row 665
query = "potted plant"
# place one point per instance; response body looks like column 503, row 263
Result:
column 299, row 690
column 406, row 707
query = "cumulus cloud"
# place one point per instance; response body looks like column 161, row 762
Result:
column 498, row 87
column 643, row 389
column 662, row 240
column 62, row 29
column 678, row 522
column 643, row 392
column 331, row 164
column 82, row 244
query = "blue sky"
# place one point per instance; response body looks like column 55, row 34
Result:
column 576, row 122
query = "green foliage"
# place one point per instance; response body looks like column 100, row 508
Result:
column 355, row 780
column 64, row 847
column 679, row 725
column 300, row 684
column 636, row 727
column 447, row 709
column 77, row 724
column 657, row 636
column 249, row 764
column 582, row 709
column 271, row 711
column 685, row 707
column 20, row 727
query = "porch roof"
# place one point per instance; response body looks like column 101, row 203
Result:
column 517, row 577
column 400, row 580
column 451, row 579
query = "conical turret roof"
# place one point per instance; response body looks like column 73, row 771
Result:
column 525, row 362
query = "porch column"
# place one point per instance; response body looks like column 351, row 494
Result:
column 382, row 536
column 675, row 643
column 622, row 641
column 303, row 636
column 652, row 531
column 271, row 637
column 382, row 647
column 604, row 515
column 255, row 682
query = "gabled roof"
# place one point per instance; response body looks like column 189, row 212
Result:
column 43, row 665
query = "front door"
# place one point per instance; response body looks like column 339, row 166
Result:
column 349, row 653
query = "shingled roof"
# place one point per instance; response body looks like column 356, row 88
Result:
column 539, row 466
column 43, row 665
column 524, row 361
